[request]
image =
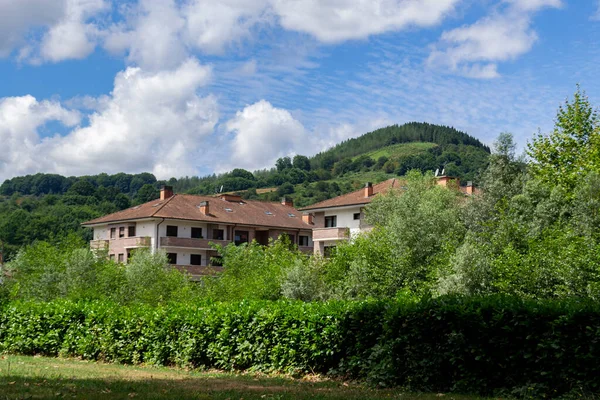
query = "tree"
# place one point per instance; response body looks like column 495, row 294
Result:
column 301, row 162
column 572, row 150
column 286, row 188
column 283, row 163
column 146, row 193
column 83, row 188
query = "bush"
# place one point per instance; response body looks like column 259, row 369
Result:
column 493, row 345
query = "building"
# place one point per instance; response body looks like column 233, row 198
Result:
column 340, row 218
column 185, row 226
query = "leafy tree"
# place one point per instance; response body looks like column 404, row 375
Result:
column 147, row 193
column 572, row 149
column 82, row 188
column 283, row 163
column 301, row 162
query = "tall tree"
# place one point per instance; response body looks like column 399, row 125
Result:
column 571, row 150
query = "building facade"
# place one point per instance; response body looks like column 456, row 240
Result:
column 186, row 227
column 341, row 218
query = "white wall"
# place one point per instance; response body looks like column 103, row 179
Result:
column 345, row 218
column 101, row 232
column 184, row 228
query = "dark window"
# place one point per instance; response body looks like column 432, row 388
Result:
column 218, row 234
column 303, row 240
column 131, row 231
column 113, row 233
column 331, row 222
column 121, row 257
column 357, row 216
column 241, row 237
column 195, row 259
column 111, row 257
column 172, row 257
column 130, row 254
column 171, row 230
column 122, row 232
column 216, row 261
column 197, row 233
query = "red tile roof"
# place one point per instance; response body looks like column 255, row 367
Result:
column 186, row 207
column 357, row 197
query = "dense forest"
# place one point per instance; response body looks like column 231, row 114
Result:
column 50, row 206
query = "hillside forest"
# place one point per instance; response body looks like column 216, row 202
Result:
column 49, row 207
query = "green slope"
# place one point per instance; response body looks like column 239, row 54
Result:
column 399, row 150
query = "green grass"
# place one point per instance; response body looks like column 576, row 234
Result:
column 400, row 149
column 49, row 378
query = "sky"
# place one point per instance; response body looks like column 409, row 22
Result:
column 193, row 87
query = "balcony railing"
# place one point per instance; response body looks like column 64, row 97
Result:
column 191, row 243
column 306, row 249
column 322, row 234
column 99, row 244
column 142, row 241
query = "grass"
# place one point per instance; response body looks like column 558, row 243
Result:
column 44, row 378
column 400, row 150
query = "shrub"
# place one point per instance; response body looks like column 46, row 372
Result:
column 493, row 345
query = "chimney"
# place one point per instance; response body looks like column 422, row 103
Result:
column 286, row 201
column 307, row 218
column 469, row 188
column 166, row 192
column 368, row 189
column 204, row 207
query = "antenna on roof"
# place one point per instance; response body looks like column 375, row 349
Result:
column 437, row 172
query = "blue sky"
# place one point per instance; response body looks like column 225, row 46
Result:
column 197, row 86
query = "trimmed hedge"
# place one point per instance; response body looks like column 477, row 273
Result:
column 446, row 344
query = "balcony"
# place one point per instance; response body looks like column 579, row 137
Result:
column 306, row 249
column 132, row 242
column 101, row 245
column 326, row 234
column 190, row 243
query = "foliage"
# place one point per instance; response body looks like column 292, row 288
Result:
column 46, row 272
column 494, row 345
column 572, row 150
column 252, row 271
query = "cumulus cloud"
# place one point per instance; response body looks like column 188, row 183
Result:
column 263, row 133
column 333, row 21
column 17, row 18
column 20, row 119
column 67, row 30
column 151, row 122
column 475, row 50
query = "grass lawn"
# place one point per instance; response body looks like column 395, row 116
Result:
column 45, row 378
column 400, row 149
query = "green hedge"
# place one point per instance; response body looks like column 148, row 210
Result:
column 447, row 344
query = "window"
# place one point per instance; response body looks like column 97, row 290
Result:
column 111, row 257
column 356, row 216
column 122, row 232
column 121, row 257
column 303, row 240
column 172, row 257
column 216, row 261
column 171, row 230
column 241, row 237
column 195, row 259
column 130, row 254
column 113, row 233
column 197, row 233
column 331, row 221
column 218, row 234
column 131, row 231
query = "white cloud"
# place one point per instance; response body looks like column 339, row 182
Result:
column 596, row 15
column 475, row 50
column 20, row 119
column 263, row 133
column 333, row 21
column 73, row 37
column 18, row 17
column 151, row 122
column 67, row 31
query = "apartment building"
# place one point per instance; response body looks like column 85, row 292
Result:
column 341, row 218
column 186, row 226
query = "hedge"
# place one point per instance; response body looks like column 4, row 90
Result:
column 486, row 346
